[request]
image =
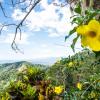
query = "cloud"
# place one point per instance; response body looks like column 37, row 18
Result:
column 24, row 38
column 18, row 15
column 52, row 17
column 44, row 45
column 53, row 34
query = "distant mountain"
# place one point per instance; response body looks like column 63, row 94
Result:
column 6, row 61
column 9, row 71
column 44, row 61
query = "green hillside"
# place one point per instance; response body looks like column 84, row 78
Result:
column 74, row 78
column 10, row 71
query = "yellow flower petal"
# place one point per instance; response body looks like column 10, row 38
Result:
column 79, row 86
column 90, row 35
column 82, row 29
column 94, row 25
column 93, row 94
column 94, row 44
column 84, row 41
column 70, row 64
column 58, row 89
column 41, row 97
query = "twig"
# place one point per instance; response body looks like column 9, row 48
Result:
column 14, row 45
column 2, row 9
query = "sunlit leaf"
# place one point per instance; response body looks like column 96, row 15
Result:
column 74, row 42
column 70, row 33
column 78, row 9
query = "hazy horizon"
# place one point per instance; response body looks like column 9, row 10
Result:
column 47, row 61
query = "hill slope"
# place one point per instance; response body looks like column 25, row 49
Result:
column 9, row 71
column 79, row 75
column 83, row 65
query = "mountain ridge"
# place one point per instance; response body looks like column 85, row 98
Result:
column 44, row 61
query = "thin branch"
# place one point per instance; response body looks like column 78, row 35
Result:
column 28, row 5
column 19, row 2
column 6, row 25
column 13, row 45
column 2, row 9
column 60, row 5
column 66, row 2
column 12, row 2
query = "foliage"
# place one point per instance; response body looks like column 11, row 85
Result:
column 73, row 78
column 78, row 74
column 82, row 16
column 10, row 71
column 86, row 21
column 30, row 84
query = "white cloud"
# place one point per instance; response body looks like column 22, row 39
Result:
column 18, row 15
column 24, row 38
column 44, row 45
column 48, row 19
column 53, row 34
column 30, row 53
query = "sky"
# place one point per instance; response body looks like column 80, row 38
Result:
column 43, row 34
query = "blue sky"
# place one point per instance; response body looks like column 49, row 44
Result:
column 44, row 33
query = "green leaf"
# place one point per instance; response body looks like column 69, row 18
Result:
column 78, row 9
column 97, row 53
column 90, row 14
column 74, row 42
column 77, row 20
column 74, row 20
column 70, row 33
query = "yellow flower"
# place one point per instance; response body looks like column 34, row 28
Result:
column 79, row 86
column 90, row 35
column 58, row 89
column 70, row 64
column 41, row 97
column 98, row 81
column 92, row 94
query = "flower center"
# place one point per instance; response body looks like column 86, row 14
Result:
column 92, row 34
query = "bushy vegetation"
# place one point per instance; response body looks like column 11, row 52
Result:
column 72, row 78
column 79, row 75
column 10, row 71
